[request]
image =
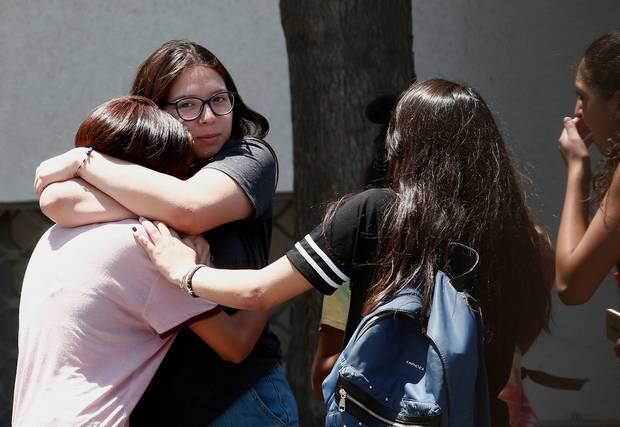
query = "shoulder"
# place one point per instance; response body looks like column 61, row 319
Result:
column 113, row 245
column 104, row 250
column 371, row 202
column 250, row 162
column 377, row 197
column 244, row 150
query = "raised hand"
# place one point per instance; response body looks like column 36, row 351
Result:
column 572, row 146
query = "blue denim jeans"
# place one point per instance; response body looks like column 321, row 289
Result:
column 269, row 402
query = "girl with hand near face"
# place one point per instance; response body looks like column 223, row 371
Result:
column 228, row 197
column 587, row 249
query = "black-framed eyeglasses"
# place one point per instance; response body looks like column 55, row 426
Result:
column 190, row 108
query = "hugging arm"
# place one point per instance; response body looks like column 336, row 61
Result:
column 244, row 289
column 251, row 289
column 206, row 200
column 234, row 336
column 75, row 202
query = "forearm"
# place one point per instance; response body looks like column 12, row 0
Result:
column 74, row 203
column 141, row 190
column 575, row 211
column 331, row 343
column 573, row 221
column 321, row 367
column 232, row 337
column 248, row 327
column 208, row 199
column 251, row 289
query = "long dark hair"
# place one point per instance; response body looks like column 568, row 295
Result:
column 133, row 128
column 454, row 182
column 157, row 73
column 600, row 67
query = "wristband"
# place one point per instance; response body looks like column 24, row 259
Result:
column 83, row 162
column 189, row 277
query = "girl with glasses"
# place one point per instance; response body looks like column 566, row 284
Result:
column 228, row 198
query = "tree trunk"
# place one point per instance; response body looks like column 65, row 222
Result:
column 342, row 54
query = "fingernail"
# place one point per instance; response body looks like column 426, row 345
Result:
column 134, row 229
column 566, row 119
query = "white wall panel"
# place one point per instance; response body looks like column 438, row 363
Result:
column 61, row 58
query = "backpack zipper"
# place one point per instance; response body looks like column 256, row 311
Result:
column 342, row 406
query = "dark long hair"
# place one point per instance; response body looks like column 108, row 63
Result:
column 133, row 128
column 601, row 68
column 455, row 182
column 157, row 73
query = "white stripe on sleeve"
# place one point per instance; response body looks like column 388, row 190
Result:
column 315, row 266
column 327, row 260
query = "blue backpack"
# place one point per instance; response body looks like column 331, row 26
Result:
column 393, row 372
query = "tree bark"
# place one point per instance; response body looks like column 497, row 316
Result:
column 342, row 54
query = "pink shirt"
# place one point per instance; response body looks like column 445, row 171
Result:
column 95, row 321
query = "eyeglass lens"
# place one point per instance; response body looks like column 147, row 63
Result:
column 220, row 103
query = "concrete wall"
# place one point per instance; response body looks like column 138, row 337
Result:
column 61, row 58
column 521, row 56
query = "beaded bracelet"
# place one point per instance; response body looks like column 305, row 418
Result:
column 188, row 279
column 83, row 162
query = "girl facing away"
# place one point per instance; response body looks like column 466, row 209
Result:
column 450, row 179
column 228, row 197
column 588, row 248
column 95, row 318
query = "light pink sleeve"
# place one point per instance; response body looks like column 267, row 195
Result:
column 169, row 308
column 163, row 306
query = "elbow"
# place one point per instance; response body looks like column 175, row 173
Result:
column 569, row 294
column 237, row 354
column 237, row 357
column 51, row 204
column 257, row 299
column 574, row 282
column 184, row 218
column 48, row 202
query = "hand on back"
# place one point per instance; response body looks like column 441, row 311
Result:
column 172, row 257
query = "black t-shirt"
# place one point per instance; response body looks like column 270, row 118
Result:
column 193, row 385
column 344, row 248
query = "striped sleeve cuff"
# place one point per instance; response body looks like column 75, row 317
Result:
column 316, row 266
